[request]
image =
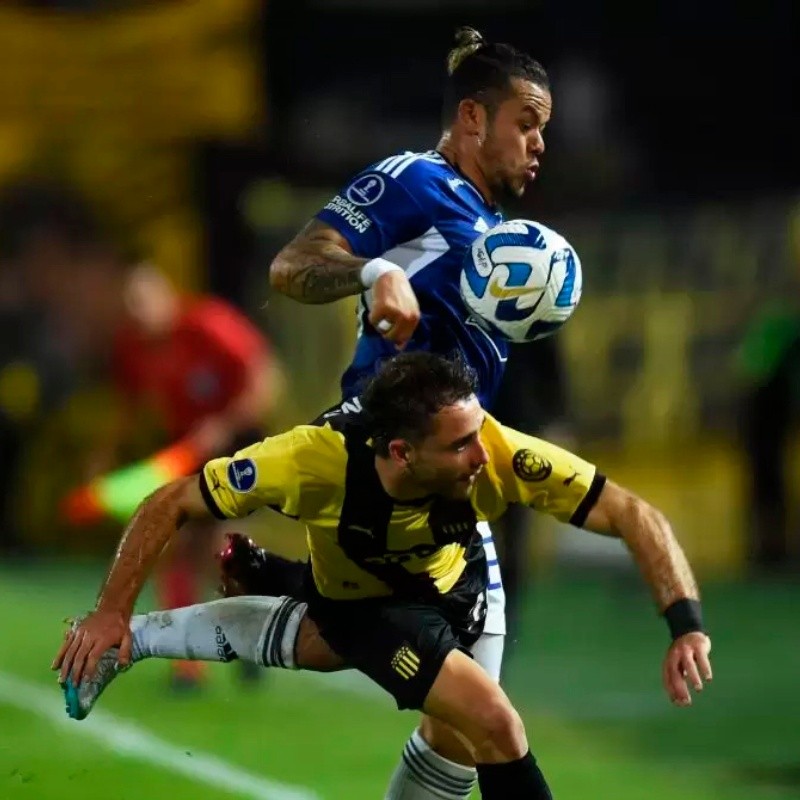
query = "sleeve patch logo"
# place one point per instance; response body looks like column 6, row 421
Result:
column 531, row 467
column 242, row 475
column 366, row 190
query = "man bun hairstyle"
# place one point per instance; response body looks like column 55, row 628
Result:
column 482, row 71
column 468, row 41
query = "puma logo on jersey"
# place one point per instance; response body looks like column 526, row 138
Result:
column 358, row 528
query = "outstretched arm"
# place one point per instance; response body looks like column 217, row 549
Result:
column 150, row 528
column 649, row 537
column 661, row 560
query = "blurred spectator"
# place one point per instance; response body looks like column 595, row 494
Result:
column 36, row 370
column 32, row 381
column 208, row 376
column 769, row 360
column 47, row 231
column 194, row 365
column 532, row 398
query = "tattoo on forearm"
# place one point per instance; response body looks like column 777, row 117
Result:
column 317, row 266
column 321, row 283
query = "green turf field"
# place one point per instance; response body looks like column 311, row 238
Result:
column 586, row 678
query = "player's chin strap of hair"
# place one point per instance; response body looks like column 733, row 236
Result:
column 684, row 616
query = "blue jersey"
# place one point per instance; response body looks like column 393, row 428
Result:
column 417, row 211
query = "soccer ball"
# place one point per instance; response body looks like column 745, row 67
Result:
column 522, row 279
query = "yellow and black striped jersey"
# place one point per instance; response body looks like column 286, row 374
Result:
column 362, row 542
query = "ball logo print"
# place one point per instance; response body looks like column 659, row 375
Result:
column 242, row 475
column 496, row 289
column 366, row 190
column 530, row 466
column 522, row 279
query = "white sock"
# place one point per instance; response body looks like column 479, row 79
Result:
column 423, row 774
column 258, row 629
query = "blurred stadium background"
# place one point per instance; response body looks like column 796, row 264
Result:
column 201, row 134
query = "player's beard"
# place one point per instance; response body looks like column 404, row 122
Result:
column 504, row 187
column 507, row 187
column 460, row 491
column 432, row 481
column 454, row 487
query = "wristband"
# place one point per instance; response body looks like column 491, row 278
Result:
column 372, row 270
column 684, row 616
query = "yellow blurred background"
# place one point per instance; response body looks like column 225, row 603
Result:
column 114, row 104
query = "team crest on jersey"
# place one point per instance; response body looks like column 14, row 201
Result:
column 530, row 466
column 366, row 190
column 405, row 662
column 242, row 475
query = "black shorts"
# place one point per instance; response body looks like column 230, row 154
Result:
column 402, row 644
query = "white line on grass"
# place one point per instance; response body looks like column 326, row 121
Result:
column 131, row 741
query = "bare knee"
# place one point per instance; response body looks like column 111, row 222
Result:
column 312, row 652
column 500, row 734
column 446, row 741
column 465, row 697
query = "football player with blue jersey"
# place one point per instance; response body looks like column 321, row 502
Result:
column 396, row 236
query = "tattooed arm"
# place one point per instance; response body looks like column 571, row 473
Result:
column 317, row 266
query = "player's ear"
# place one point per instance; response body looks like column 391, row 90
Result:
column 472, row 117
column 399, row 452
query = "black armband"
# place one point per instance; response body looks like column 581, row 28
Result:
column 209, row 498
column 684, row 616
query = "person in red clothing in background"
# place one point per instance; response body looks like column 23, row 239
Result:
column 196, row 365
column 197, row 362
column 210, row 378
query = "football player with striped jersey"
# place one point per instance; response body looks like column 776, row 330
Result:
column 390, row 500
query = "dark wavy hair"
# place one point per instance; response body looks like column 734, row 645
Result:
column 400, row 401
